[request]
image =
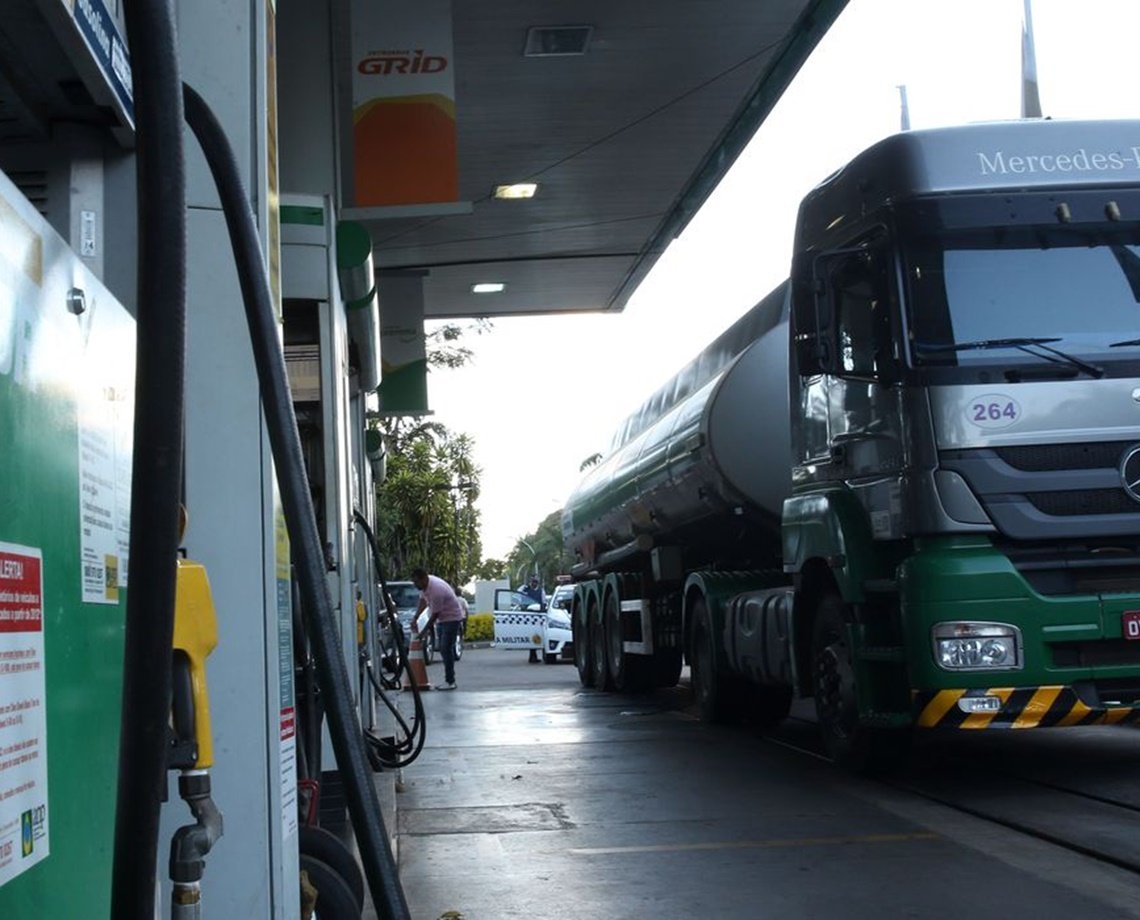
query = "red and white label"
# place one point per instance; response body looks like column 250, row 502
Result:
column 23, row 718
column 1130, row 624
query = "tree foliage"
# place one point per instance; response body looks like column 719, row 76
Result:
column 541, row 552
column 490, row 570
column 426, row 513
column 592, row 460
column 425, row 508
column 444, row 343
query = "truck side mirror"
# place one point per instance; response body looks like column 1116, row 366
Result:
column 811, row 324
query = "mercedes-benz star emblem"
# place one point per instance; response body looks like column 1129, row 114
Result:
column 1130, row 473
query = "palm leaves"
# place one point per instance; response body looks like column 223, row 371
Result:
column 426, row 514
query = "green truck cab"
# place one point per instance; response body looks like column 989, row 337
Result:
column 907, row 482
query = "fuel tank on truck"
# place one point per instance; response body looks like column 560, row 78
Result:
column 713, row 441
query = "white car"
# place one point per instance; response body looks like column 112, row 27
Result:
column 523, row 623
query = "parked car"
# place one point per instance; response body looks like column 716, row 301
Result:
column 557, row 620
column 523, row 623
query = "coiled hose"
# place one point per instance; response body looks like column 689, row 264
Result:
column 395, row 754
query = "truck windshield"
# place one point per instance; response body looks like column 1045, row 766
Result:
column 998, row 285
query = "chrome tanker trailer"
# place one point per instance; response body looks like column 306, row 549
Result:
column 904, row 483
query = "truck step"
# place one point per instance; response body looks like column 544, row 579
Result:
column 886, row 719
column 894, row 653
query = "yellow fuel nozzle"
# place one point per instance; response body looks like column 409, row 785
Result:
column 195, row 636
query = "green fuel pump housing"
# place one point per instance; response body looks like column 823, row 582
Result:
column 67, row 362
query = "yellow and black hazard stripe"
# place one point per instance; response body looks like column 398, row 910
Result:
column 1021, row 707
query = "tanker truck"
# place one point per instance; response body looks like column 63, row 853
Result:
column 907, row 482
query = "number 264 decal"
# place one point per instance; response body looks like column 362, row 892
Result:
column 993, row 411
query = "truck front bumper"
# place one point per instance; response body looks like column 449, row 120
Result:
column 1077, row 666
column 1019, row 707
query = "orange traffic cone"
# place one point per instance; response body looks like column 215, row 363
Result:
column 417, row 671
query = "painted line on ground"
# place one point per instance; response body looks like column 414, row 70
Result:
column 757, row 844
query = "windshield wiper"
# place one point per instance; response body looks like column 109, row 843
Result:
column 982, row 344
column 1025, row 344
column 1125, row 342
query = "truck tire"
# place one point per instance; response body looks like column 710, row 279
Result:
column 851, row 745
column 581, row 629
column 429, row 646
column 599, row 670
column 710, row 689
column 615, row 656
column 628, row 673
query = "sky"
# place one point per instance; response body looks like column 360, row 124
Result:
column 960, row 61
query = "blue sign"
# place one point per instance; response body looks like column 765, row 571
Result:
column 102, row 36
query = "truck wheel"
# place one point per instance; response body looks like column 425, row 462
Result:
column 851, row 745
column 628, row 673
column 599, row 670
column 710, row 691
column 429, row 647
column 615, row 655
column 582, row 660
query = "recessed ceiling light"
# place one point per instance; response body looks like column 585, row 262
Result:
column 488, row 287
column 518, row 190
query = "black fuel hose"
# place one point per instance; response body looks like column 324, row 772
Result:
column 157, row 465
column 281, row 422
column 360, row 519
column 398, row 754
column 393, row 755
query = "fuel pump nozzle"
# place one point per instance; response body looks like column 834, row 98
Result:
column 192, row 747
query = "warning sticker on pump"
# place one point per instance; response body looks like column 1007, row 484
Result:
column 23, row 723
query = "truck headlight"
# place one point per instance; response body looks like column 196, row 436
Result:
column 971, row 646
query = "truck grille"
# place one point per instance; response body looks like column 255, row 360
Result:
column 1085, row 501
column 1043, row 457
column 1085, row 567
column 1051, row 491
column 1101, row 653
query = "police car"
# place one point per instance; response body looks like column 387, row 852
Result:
column 523, row 623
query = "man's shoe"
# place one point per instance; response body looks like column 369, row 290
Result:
column 450, row 686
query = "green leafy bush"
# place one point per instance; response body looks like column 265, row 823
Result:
column 480, row 627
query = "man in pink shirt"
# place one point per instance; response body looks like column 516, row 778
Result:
column 437, row 594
